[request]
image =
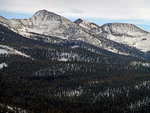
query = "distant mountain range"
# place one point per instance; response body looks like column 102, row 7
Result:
column 118, row 38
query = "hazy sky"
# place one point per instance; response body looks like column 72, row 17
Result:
column 133, row 11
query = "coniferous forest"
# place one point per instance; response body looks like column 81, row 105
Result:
column 57, row 78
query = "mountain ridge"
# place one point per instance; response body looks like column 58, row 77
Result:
column 47, row 23
column 124, row 33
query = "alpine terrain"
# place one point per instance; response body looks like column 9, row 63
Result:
column 49, row 64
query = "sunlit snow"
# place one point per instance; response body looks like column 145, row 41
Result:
column 2, row 65
column 8, row 50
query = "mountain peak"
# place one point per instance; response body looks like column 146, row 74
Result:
column 81, row 21
column 85, row 24
column 78, row 21
column 44, row 15
column 122, row 28
column 43, row 10
column 120, row 25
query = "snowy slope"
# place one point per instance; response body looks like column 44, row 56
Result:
column 123, row 33
column 2, row 65
column 8, row 50
column 48, row 23
column 127, row 34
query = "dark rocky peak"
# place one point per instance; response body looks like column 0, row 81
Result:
column 78, row 21
column 86, row 24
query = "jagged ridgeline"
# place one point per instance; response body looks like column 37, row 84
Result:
column 52, row 65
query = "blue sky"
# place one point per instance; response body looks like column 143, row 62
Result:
column 97, row 11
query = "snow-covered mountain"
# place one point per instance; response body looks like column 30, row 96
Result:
column 45, row 23
column 124, row 33
column 127, row 34
column 48, row 23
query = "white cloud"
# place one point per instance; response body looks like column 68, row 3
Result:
column 116, row 9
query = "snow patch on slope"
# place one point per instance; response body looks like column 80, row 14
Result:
column 2, row 65
column 141, row 42
column 8, row 50
column 10, row 109
column 63, row 59
column 127, row 34
column 2, row 51
column 116, row 51
column 136, row 63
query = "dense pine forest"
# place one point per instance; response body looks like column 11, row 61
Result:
column 73, row 87
column 60, row 76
